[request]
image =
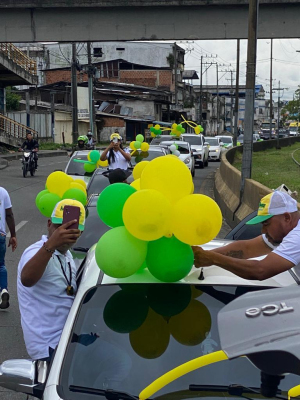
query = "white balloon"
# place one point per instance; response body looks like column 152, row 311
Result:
column 173, row 148
column 176, row 153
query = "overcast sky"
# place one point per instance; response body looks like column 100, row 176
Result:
column 286, row 62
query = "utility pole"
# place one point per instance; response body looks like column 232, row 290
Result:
column 91, row 87
column 250, row 94
column 278, row 113
column 271, row 89
column 74, row 94
column 52, row 94
column 231, row 101
column 237, row 90
column 200, row 105
column 218, row 111
column 175, row 71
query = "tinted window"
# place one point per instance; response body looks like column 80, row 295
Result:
column 243, row 231
column 97, row 183
column 127, row 336
column 226, row 139
column 212, row 141
column 161, row 138
column 137, row 156
column 183, row 149
column 76, row 168
column 193, row 140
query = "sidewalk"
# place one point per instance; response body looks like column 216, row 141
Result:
column 207, row 188
column 5, row 158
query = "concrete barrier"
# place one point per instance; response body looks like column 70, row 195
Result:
column 228, row 181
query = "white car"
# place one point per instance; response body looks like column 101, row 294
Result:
column 199, row 148
column 227, row 141
column 215, row 148
column 185, row 151
column 122, row 334
column 76, row 169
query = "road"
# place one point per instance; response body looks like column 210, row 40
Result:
column 31, row 225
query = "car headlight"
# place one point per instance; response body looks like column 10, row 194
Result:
column 187, row 160
column 217, row 150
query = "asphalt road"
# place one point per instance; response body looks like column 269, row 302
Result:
column 31, row 225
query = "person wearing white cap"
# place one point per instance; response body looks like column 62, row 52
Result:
column 279, row 241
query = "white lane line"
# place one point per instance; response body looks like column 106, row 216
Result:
column 19, row 226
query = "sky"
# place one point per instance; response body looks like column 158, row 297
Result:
column 286, row 62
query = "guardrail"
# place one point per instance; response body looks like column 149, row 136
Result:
column 11, row 128
column 18, row 57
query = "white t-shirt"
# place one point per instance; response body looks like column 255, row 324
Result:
column 45, row 306
column 120, row 161
column 5, row 203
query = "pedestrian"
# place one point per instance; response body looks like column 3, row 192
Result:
column 91, row 141
column 116, row 156
column 6, row 217
column 279, row 241
column 47, row 283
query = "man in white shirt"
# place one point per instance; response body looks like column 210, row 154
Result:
column 280, row 219
column 6, row 217
column 47, row 283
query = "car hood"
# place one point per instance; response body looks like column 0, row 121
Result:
column 197, row 147
column 213, row 148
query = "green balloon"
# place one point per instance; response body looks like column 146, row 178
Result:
column 169, row 300
column 39, row 195
column 94, row 156
column 140, row 138
column 125, row 312
column 111, row 202
column 119, row 254
column 47, row 203
column 179, row 127
column 152, row 129
column 89, row 167
column 182, row 130
column 137, row 144
column 169, row 260
column 75, row 194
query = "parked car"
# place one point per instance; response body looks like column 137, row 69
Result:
column 215, row 148
column 161, row 138
column 226, row 140
column 118, row 329
column 185, row 153
column 199, row 148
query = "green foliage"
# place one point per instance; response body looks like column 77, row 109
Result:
column 171, row 60
column 292, row 110
column 12, row 99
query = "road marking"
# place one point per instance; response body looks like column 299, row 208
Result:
column 19, row 226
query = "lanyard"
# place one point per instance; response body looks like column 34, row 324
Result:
column 70, row 289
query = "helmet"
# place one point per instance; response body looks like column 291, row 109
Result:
column 83, row 138
column 115, row 135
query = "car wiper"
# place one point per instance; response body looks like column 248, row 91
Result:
column 233, row 389
column 82, row 249
column 108, row 393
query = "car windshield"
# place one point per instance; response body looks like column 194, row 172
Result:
column 76, row 168
column 193, row 140
column 97, row 183
column 159, row 139
column 126, row 336
column 183, row 149
column 149, row 155
column 212, row 141
column 226, row 139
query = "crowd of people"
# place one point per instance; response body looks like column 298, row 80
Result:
column 46, row 279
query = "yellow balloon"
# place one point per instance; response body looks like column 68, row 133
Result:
column 169, row 176
column 131, row 145
column 153, row 135
column 58, row 182
column 174, row 126
column 192, row 325
column 89, row 157
column 138, row 169
column 157, row 127
column 145, row 146
column 136, row 184
column 193, row 187
column 197, row 130
column 152, row 338
column 197, row 219
column 145, row 214
column 102, row 163
column 75, row 185
column 80, row 182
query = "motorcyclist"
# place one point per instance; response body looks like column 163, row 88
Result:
column 31, row 144
column 82, row 144
column 91, row 140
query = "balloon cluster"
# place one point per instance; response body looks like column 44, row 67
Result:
column 139, row 144
column 155, row 221
column 156, row 313
column 93, row 161
column 155, row 130
column 60, row 186
column 174, row 149
column 177, row 130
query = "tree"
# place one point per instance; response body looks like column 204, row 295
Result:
column 12, row 99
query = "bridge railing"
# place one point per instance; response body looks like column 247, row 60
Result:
column 17, row 56
column 14, row 129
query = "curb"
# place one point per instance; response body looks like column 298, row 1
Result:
column 16, row 156
column 3, row 164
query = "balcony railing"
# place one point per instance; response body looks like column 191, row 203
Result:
column 9, row 127
column 18, row 57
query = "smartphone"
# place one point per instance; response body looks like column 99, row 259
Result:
column 70, row 213
column 115, row 140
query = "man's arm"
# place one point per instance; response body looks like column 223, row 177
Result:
column 12, row 229
column 270, row 266
column 34, row 269
column 245, row 249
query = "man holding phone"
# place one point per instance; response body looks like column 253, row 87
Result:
column 47, row 280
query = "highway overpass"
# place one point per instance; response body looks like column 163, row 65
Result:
column 83, row 20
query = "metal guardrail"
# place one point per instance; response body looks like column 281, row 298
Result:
column 14, row 129
column 295, row 161
column 18, row 57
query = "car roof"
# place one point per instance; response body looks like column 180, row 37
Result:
column 170, row 142
column 191, row 134
column 81, row 153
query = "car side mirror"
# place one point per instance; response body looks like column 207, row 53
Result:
column 24, row 376
column 206, row 144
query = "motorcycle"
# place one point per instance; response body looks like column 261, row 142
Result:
column 28, row 163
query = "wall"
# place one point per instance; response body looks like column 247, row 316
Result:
column 140, row 107
column 228, row 180
column 39, row 121
column 110, row 125
column 63, row 123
